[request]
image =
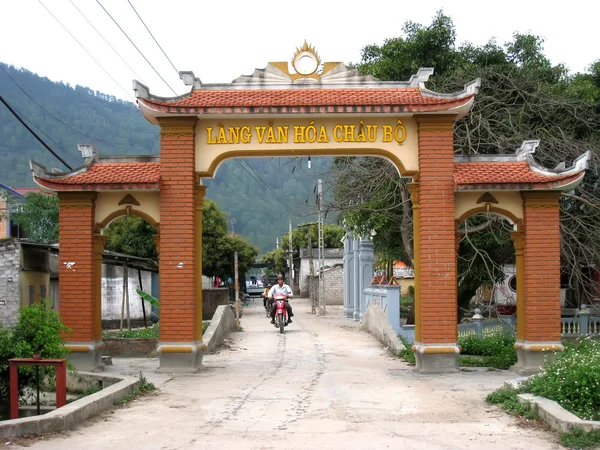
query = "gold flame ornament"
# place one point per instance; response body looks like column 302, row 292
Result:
column 306, row 60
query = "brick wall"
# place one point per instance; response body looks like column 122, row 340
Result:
column 333, row 256
column 334, row 286
column 542, row 266
column 78, row 306
column 177, row 230
column 9, row 284
column 437, row 229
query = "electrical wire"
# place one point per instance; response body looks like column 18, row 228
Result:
column 136, row 47
column 257, row 178
column 40, row 140
column 52, row 115
column 107, row 43
column 161, row 49
column 86, row 50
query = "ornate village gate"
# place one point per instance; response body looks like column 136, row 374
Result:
column 313, row 110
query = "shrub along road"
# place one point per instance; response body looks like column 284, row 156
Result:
column 323, row 384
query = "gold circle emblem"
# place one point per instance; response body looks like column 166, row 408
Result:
column 306, row 61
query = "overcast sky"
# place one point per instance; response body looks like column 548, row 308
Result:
column 221, row 40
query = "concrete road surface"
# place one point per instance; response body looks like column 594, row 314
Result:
column 322, row 385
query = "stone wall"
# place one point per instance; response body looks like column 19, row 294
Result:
column 3, row 222
column 9, row 283
column 212, row 299
column 333, row 256
column 334, row 286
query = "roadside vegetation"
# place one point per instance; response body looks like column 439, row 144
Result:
column 572, row 380
column 152, row 332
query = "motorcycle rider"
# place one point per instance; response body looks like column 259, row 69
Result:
column 266, row 294
column 281, row 289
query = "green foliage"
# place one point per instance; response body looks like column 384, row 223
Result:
column 580, row 439
column 38, row 331
column 572, row 379
column 152, row 300
column 37, row 214
column 141, row 333
column 133, row 236
column 145, row 387
column 218, row 247
column 407, row 354
column 411, row 291
column 506, row 397
column 496, row 351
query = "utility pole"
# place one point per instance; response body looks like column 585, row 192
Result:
column 311, row 268
column 237, row 290
column 321, row 245
column 277, row 243
column 291, row 256
column 232, row 221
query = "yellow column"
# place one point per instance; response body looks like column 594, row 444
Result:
column 519, row 243
column 200, row 191
column 413, row 188
column 99, row 242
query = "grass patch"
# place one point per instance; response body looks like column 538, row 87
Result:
column 152, row 332
column 506, row 397
column 407, row 354
column 496, row 350
column 145, row 387
column 580, row 439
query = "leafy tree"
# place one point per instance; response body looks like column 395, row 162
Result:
column 131, row 235
column 522, row 96
column 37, row 215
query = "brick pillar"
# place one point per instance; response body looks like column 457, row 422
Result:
column 540, row 329
column 437, row 351
column 178, row 348
column 80, row 300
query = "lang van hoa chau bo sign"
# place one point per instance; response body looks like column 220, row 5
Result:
column 301, row 134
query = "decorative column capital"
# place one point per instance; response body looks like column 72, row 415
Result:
column 99, row 243
column 435, row 123
column 156, row 238
column 518, row 238
column 199, row 193
column 84, row 199
column 177, row 126
column 415, row 195
column 540, row 199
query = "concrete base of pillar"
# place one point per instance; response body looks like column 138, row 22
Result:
column 180, row 357
column 436, row 358
column 349, row 312
column 532, row 355
column 356, row 315
column 86, row 356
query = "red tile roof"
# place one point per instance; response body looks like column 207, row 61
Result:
column 144, row 175
column 276, row 98
column 499, row 172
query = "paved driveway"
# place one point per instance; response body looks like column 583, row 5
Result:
column 323, row 384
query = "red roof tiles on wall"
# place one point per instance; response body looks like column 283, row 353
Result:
column 113, row 173
column 499, row 172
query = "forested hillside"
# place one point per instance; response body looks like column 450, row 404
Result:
column 66, row 115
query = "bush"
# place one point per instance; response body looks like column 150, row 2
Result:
column 572, row 379
column 580, row 439
column 411, row 291
column 498, row 350
column 506, row 397
column 39, row 331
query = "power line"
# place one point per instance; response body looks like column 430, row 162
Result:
column 34, row 133
column 108, row 43
column 161, row 49
column 136, row 47
column 244, row 183
column 86, row 50
column 52, row 115
column 257, row 178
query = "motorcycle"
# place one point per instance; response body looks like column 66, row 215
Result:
column 280, row 313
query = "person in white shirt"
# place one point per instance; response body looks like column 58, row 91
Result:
column 281, row 289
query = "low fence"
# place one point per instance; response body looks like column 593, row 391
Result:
column 583, row 324
column 387, row 297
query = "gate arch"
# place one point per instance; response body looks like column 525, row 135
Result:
column 351, row 115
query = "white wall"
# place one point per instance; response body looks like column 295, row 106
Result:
column 112, row 292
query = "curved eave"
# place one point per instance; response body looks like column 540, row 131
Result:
column 152, row 110
column 564, row 184
column 51, row 187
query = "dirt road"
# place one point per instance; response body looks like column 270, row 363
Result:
column 323, row 384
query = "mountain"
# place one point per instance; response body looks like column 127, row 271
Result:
column 259, row 195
